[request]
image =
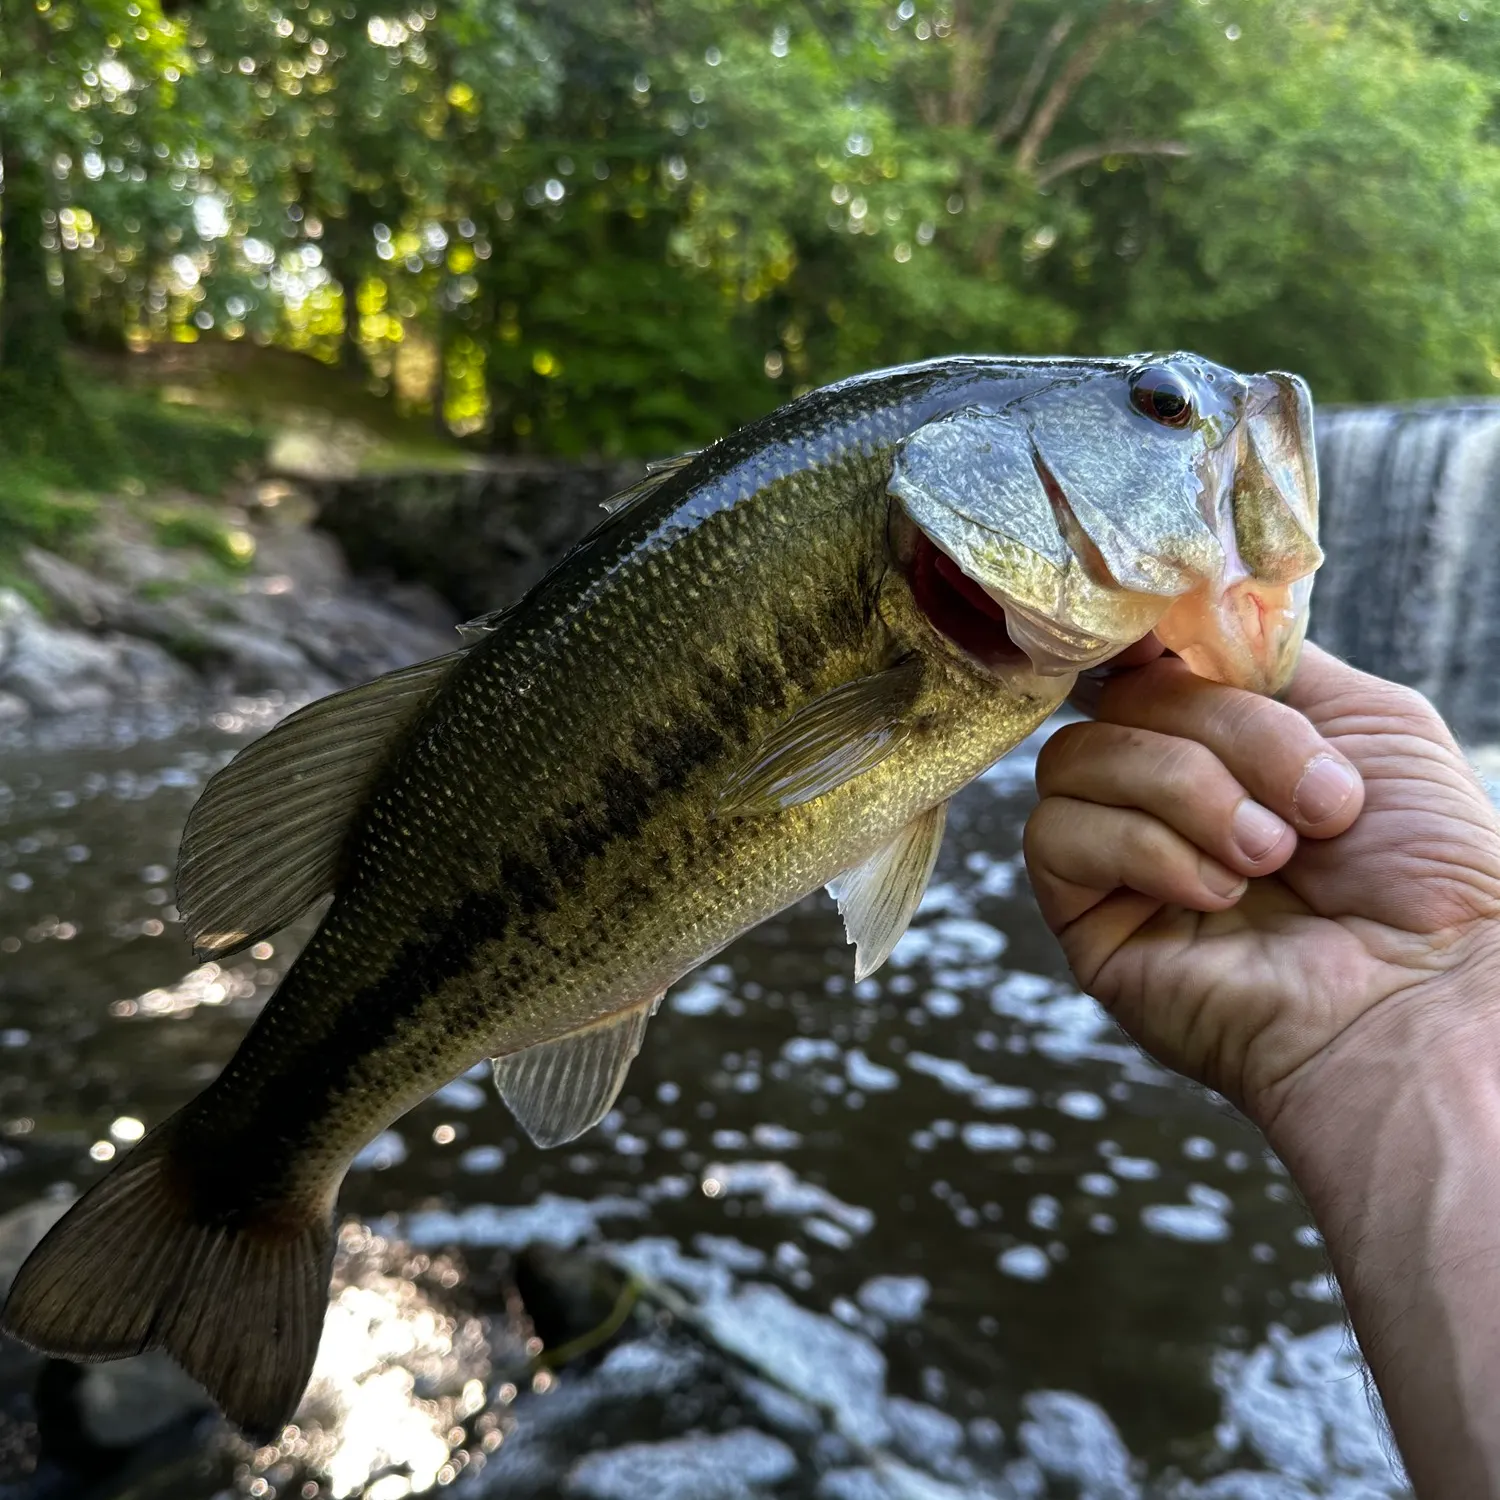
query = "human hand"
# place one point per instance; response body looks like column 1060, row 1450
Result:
column 1371, row 852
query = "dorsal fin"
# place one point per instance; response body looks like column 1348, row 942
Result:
column 878, row 898
column 485, row 624
column 839, row 735
column 262, row 842
column 658, row 472
column 558, row 1089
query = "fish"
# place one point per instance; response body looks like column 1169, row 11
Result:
column 766, row 671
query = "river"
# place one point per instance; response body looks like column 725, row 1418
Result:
column 1008, row 1224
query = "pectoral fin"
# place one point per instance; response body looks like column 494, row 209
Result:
column 837, row 736
column 263, row 841
column 878, row 898
column 558, row 1089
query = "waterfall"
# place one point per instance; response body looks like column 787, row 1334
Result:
column 1411, row 529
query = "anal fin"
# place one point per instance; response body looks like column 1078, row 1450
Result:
column 878, row 898
column 558, row 1089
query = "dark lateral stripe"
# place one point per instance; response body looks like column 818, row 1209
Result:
column 248, row 1170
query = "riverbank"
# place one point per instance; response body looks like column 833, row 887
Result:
column 185, row 599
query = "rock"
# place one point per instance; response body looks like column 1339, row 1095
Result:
column 295, row 623
column 249, row 662
column 479, row 538
column 817, row 1358
column 728, row 1467
column 1072, row 1439
column 125, row 1402
column 308, row 560
column 55, row 670
column 896, row 1299
column 80, row 597
column 158, row 676
column 924, row 1434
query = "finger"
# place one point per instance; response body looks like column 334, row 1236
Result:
column 1077, row 853
column 1270, row 748
column 1179, row 782
column 1097, row 937
column 1147, row 649
column 1086, row 690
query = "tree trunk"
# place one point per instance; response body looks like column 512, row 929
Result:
column 31, row 331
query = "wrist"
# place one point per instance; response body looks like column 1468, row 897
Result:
column 1392, row 1135
column 1441, row 1029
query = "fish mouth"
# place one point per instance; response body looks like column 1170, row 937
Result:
column 960, row 610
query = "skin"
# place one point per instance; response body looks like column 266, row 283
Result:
column 1297, row 904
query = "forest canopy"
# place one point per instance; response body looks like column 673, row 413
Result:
column 622, row 227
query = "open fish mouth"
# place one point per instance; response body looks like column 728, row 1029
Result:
column 1050, row 545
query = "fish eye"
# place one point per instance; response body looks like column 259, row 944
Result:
column 1164, row 397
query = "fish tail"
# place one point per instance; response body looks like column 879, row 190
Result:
column 237, row 1301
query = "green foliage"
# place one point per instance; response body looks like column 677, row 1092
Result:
column 194, row 526
column 58, row 453
column 623, row 227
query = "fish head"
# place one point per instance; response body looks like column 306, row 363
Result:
column 1163, row 493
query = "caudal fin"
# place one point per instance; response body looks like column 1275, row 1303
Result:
column 130, row 1268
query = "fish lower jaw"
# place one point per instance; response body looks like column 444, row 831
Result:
column 1246, row 636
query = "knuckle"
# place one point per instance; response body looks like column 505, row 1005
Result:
column 1062, row 748
column 1268, row 730
column 1185, row 767
column 1040, row 831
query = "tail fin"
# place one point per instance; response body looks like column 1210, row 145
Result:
column 130, row 1267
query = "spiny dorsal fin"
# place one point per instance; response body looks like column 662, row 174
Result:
column 878, row 898
column 558, row 1089
column 483, row 625
column 658, row 472
column 263, row 840
column 839, row 735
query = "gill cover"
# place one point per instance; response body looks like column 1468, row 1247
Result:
column 1092, row 515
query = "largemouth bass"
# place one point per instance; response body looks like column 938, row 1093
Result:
column 767, row 671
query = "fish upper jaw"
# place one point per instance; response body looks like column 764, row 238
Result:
column 1246, row 627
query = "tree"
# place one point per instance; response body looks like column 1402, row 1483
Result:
column 85, row 91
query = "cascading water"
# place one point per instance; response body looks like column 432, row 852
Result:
column 1411, row 528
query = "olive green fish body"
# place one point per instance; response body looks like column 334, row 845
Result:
column 767, row 671
column 499, row 893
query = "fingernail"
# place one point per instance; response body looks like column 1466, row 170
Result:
column 1220, row 881
column 1256, row 829
column 1326, row 786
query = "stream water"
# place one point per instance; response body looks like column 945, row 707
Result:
column 941, row 1233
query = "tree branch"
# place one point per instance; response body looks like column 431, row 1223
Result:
column 971, row 64
column 1078, row 67
column 1070, row 161
column 1020, row 107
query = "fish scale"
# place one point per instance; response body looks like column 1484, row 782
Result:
column 751, row 680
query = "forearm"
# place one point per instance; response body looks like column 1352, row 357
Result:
column 1396, row 1147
